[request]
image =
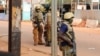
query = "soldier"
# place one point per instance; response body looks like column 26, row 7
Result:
column 66, row 35
column 48, row 28
column 37, row 21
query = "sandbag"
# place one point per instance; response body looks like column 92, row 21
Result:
column 76, row 21
column 92, row 23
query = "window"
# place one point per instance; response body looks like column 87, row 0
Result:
column 99, row 4
column 88, row 4
column 95, row 6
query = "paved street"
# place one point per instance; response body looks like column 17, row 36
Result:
column 88, row 41
column 3, row 16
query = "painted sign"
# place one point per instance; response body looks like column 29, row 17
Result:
column 26, row 7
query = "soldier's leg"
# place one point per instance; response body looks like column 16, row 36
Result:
column 40, row 32
column 64, row 52
column 35, row 37
column 74, row 49
column 74, row 43
column 40, row 38
column 49, row 37
column 67, row 51
column 45, row 37
column 45, row 34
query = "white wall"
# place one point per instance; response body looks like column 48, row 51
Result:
column 38, row 1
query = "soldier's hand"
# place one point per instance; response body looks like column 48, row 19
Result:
column 35, row 25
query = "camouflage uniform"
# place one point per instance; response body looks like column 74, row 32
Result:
column 37, row 25
column 66, row 36
column 48, row 28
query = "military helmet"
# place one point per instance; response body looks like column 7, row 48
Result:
column 37, row 7
column 68, row 15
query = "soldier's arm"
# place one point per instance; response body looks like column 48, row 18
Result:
column 65, row 38
column 33, row 17
column 69, row 35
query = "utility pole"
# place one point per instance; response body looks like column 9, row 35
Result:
column 14, row 41
column 54, row 27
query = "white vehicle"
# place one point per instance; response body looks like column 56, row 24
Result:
column 2, row 5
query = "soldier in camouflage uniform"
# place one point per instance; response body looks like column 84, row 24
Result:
column 66, row 36
column 48, row 28
column 37, row 21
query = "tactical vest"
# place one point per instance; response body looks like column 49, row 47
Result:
column 64, row 33
column 38, row 17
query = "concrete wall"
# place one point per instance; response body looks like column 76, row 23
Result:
column 88, row 14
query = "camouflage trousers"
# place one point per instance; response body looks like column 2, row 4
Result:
column 48, row 34
column 37, row 32
column 67, row 51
